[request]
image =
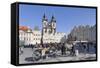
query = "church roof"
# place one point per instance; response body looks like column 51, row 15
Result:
column 44, row 18
column 53, row 19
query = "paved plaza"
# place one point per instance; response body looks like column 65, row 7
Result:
column 27, row 53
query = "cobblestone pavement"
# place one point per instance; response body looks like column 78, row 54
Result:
column 28, row 53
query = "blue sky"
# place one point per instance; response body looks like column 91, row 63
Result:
column 66, row 17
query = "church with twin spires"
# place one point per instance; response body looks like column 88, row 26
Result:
column 48, row 27
column 48, row 33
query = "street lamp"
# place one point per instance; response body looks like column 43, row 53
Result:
column 42, row 38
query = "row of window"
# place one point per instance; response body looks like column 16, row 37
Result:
column 24, row 34
column 37, row 34
column 29, row 39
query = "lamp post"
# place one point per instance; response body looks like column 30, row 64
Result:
column 42, row 38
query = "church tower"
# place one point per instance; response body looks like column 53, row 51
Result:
column 44, row 24
column 53, row 24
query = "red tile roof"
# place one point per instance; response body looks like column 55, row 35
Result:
column 24, row 28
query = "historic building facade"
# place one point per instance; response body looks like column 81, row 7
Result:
column 48, row 33
column 48, row 27
column 84, row 33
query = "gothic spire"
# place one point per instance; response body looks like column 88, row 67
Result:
column 53, row 19
column 44, row 18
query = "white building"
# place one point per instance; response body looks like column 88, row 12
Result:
column 25, row 35
column 52, row 38
column 48, row 33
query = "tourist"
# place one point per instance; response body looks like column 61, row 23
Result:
column 63, row 49
column 72, row 51
column 43, row 53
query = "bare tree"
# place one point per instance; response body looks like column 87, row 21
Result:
column 36, row 28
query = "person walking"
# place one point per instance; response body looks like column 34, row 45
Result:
column 63, row 49
column 72, row 51
column 43, row 53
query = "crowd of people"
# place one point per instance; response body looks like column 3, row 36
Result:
column 48, row 50
column 43, row 51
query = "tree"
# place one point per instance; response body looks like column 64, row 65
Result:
column 36, row 28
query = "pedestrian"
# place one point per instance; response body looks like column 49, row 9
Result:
column 88, row 44
column 85, row 48
column 43, row 53
column 63, row 49
column 76, row 47
column 72, row 51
